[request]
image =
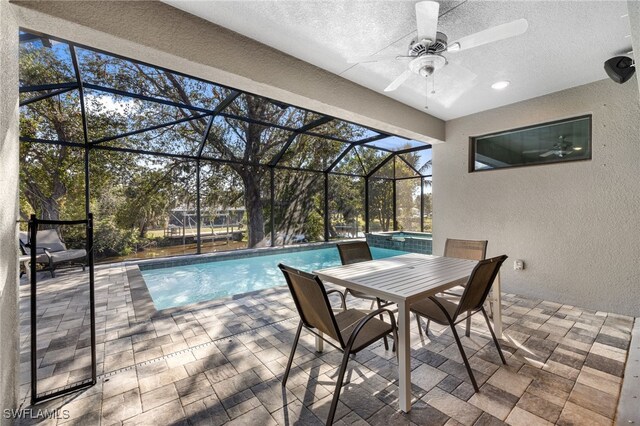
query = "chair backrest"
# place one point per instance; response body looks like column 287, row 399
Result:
column 44, row 238
column 354, row 252
column 479, row 284
column 312, row 302
column 466, row 249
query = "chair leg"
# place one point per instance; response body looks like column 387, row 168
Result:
column 419, row 325
column 464, row 358
column 426, row 328
column 336, row 393
column 293, row 352
column 495, row 339
column 386, row 341
column 395, row 339
column 467, row 332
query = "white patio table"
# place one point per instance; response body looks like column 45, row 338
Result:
column 403, row 280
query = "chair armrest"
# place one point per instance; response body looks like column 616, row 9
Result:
column 371, row 315
column 344, row 303
column 38, row 247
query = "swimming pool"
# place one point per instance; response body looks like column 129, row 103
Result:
column 182, row 285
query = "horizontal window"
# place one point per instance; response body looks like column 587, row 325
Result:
column 554, row 142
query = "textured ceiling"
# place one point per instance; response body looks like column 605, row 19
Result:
column 565, row 45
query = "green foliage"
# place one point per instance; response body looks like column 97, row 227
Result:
column 113, row 240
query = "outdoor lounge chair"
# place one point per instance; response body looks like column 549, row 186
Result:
column 461, row 249
column 354, row 252
column 51, row 251
column 444, row 312
column 351, row 330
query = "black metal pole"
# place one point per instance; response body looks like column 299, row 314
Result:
column 366, row 205
column 273, row 204
column 33, row 228
column 85, row 129
column 326, row 206
column 421, row 205
column 395, row 217
column 92, row 297
column 198, row 214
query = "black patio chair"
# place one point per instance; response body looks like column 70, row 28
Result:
column 444, row 312
column 51, row 251
column 351, row 330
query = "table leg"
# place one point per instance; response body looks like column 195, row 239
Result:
column 497, row 307
column 319, row 343
column 404, row 359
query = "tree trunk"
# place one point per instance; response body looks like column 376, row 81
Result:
column 253, row 205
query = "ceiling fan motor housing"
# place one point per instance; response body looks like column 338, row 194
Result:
column 424, row 47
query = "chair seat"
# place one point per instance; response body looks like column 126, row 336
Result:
column 373, row 330
column 427, row 308
column 68, row 255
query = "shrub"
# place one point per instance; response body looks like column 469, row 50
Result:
column 109, row 240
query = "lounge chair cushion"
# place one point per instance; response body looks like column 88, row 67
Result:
column 372, row 331
column 45, row 238
column 59, row 254
column 68, row 255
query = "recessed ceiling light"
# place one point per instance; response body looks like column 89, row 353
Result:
column 499, row 85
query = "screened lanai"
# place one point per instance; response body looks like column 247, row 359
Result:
column 173, row 164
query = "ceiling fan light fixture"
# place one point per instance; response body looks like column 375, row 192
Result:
column 499, row 85
column 577, row 148
column 453, row 47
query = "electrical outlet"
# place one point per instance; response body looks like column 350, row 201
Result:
column 518, row 265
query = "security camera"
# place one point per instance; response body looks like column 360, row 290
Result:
column 620, row 69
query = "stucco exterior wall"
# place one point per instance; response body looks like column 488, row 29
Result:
column 160, row 34
column 574, row 224
column 8, row 210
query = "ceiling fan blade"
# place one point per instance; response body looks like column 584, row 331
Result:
column 376, row 58
column 398, row 81
column 548, row 153
column 427, row 19
column 499, row 32
column 534, row 151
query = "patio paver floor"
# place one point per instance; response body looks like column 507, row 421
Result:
column 221, row 362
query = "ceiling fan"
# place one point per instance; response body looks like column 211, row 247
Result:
column 562, row 148
column 427, row 49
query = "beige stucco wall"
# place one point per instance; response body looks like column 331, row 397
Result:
column 160, row 34
column 8, row 209
column 574, row 224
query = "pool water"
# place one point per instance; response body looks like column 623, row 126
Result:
column 182, row 285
